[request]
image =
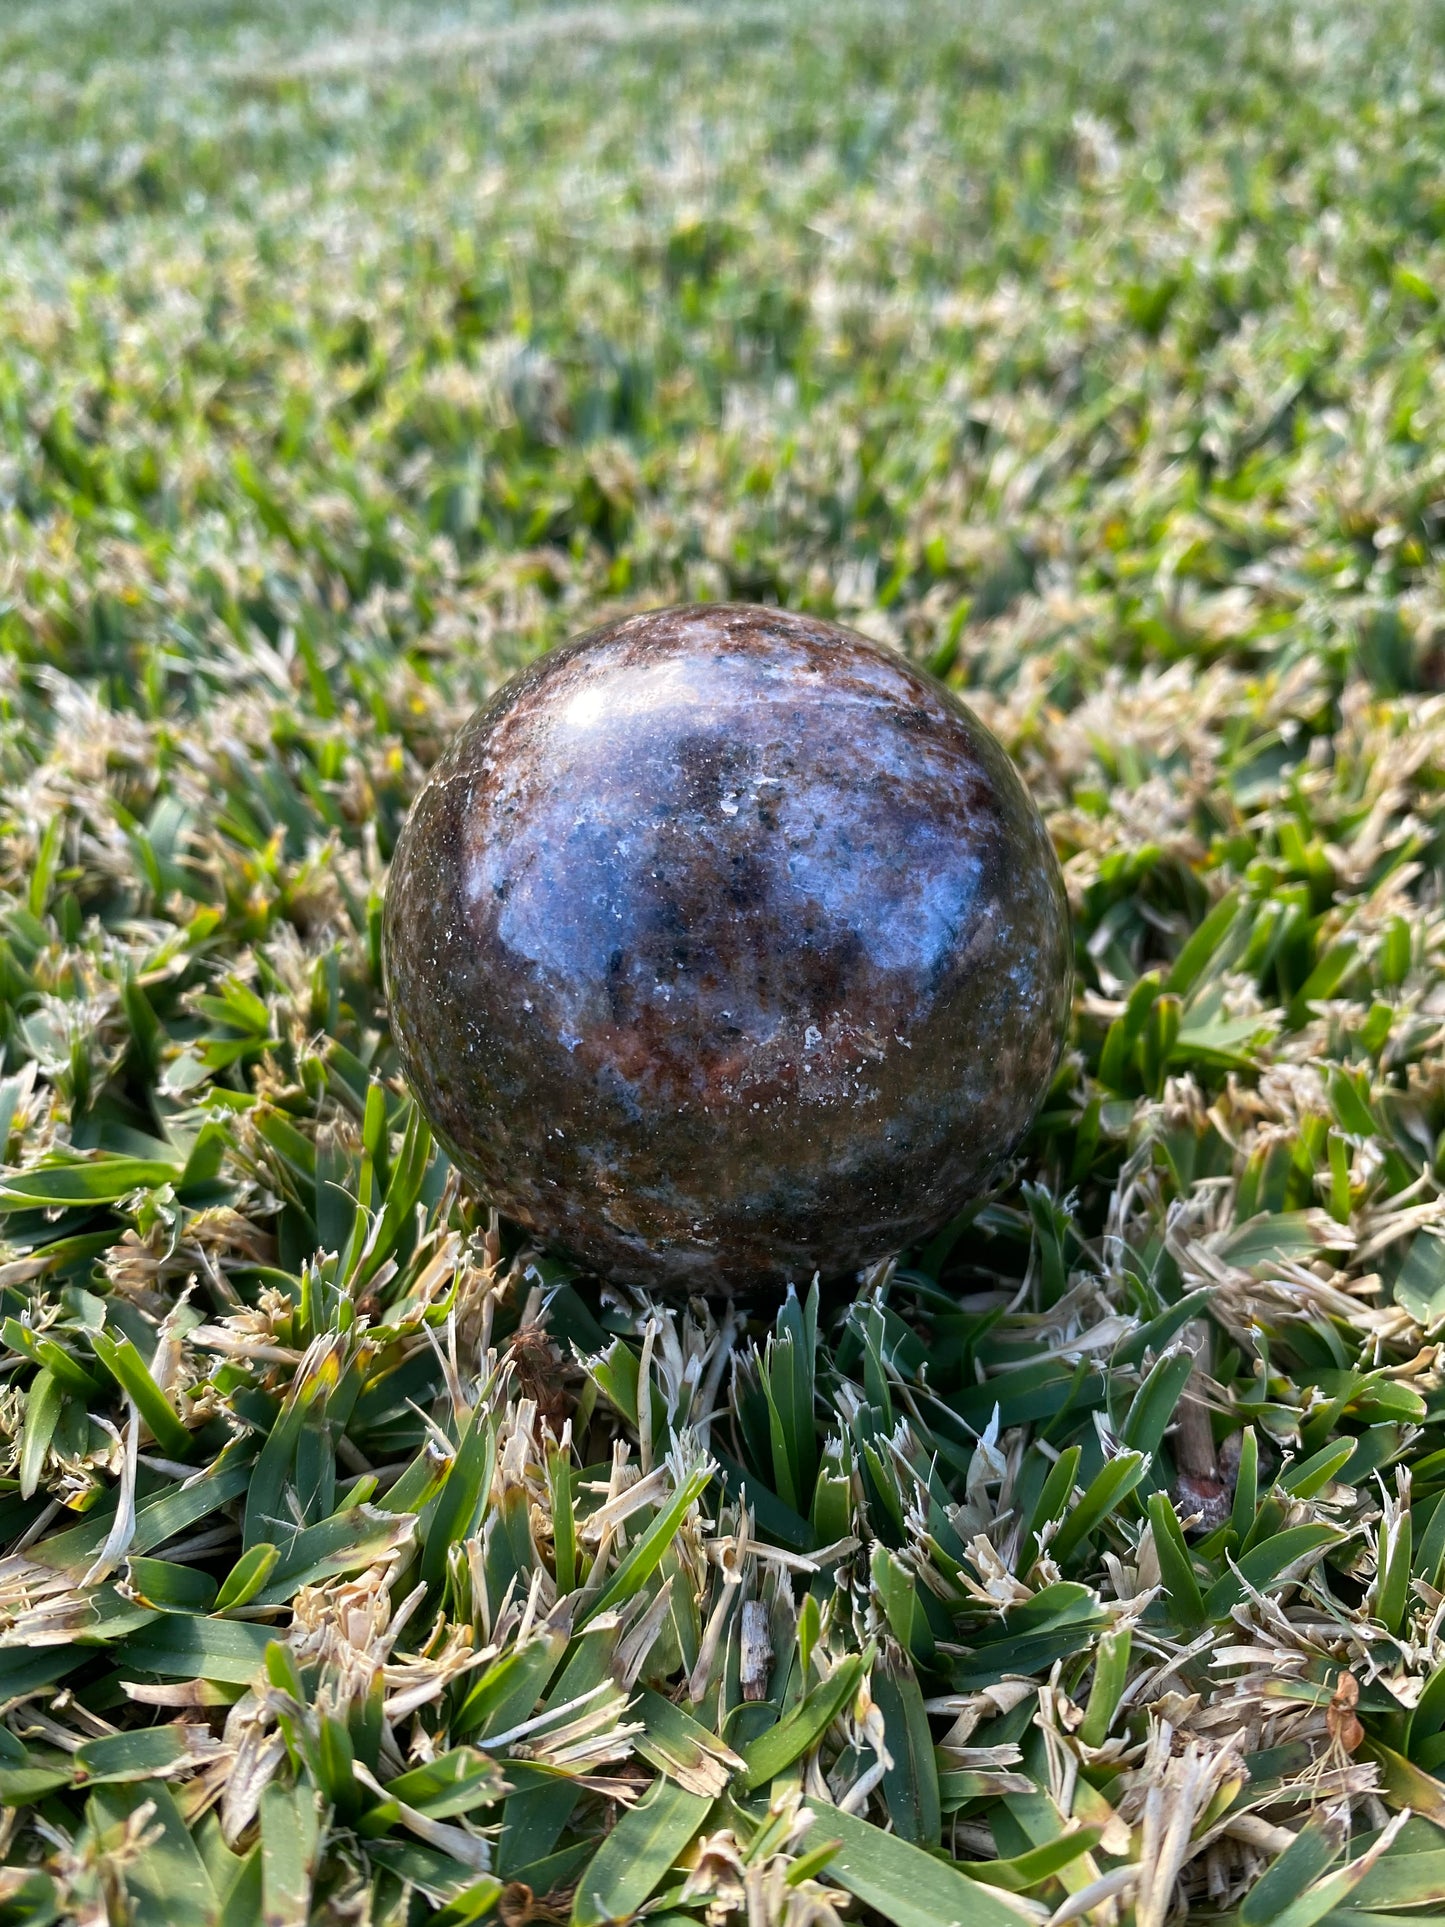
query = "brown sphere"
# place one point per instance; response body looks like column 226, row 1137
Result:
column 724, row 947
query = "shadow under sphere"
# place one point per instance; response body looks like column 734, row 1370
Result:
column 724, row 947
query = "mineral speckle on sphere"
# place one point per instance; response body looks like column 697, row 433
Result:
column 724, row 947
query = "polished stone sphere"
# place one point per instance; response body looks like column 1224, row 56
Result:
column 723, row 947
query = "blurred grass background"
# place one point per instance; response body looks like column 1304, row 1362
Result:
column 439, row 329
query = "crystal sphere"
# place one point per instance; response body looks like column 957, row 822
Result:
column 724, row 947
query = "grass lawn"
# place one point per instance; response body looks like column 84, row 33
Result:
column 364, row 1566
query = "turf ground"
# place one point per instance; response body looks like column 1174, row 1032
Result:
column 362, row 1567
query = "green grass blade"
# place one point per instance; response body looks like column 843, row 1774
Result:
column 636, row 1856
column 290, row 1839
column 805, row 1726
column 901, row 1882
